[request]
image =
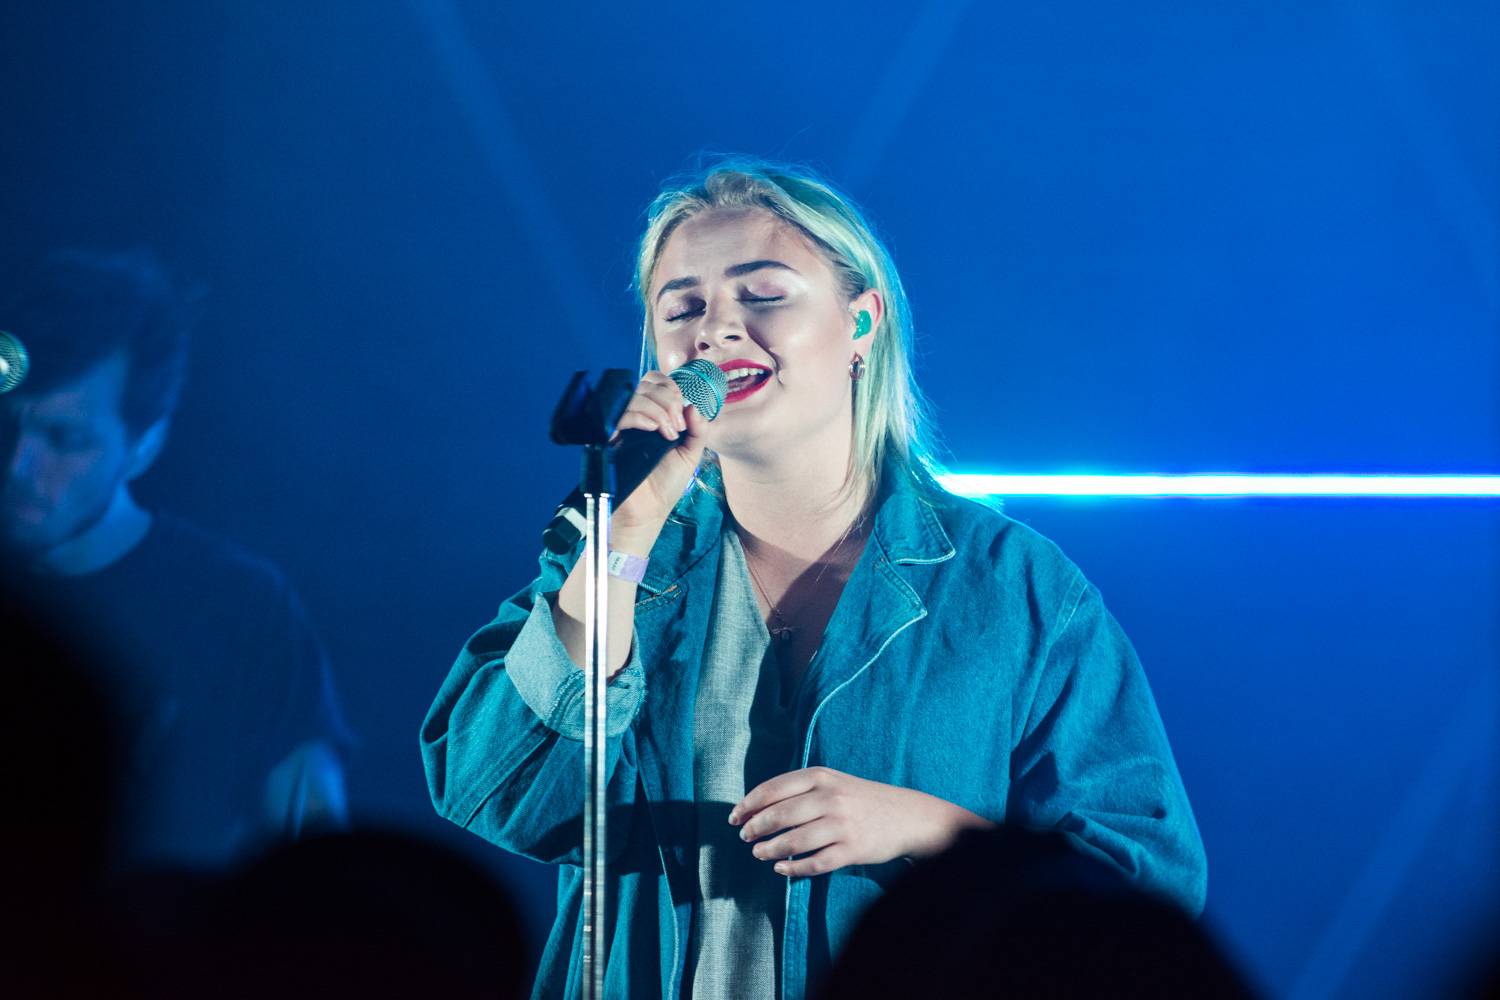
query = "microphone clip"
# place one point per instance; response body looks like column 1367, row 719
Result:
column 587, row 415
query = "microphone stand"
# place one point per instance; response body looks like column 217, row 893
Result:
column 587, row 416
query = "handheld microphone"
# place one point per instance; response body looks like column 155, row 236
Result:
column 14, row 364
column 635, row 453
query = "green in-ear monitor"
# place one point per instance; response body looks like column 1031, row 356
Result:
column 861, row 324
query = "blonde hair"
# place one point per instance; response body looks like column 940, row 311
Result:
column 892, row 430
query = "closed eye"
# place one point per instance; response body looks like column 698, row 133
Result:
column 69, row 440
column 754, row 300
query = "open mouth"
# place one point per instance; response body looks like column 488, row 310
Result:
column 743, row 380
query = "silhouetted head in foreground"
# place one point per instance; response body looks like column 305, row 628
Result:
column 61, row 750
column 356, row 915
column 1011, row 913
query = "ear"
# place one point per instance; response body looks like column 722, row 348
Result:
column 868, row 301
column 145, row 449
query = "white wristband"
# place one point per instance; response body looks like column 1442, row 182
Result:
column 626, row 566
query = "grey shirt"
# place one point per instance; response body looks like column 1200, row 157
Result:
column 741, row 737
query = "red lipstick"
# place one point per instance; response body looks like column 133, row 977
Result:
column 745, row 379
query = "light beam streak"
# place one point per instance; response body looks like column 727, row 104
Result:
column 1220, row 485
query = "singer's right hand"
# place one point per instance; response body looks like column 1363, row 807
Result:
column 658, row 406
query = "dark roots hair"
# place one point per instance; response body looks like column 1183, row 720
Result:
column 80, row 308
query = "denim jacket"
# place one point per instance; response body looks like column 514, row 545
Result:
column 967, row 658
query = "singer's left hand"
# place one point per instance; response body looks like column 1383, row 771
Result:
column 831, row 819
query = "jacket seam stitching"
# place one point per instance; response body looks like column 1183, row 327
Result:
column 1077, row 590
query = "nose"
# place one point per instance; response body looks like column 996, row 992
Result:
column 20, row 455
column 720, row 328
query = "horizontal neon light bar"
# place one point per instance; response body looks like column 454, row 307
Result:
column 1217, row 485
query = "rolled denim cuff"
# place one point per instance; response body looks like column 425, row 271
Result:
column 551, row 685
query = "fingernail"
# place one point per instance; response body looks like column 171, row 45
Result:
column 734, row 817
column 780, row 867
column 745, row 833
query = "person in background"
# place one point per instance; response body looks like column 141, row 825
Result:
column 233, row 732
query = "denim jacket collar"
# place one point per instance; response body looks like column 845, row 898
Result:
column 907, row 529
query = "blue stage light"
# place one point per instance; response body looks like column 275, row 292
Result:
column 1220, row 485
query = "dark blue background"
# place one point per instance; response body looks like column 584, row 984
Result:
column 1136, row 237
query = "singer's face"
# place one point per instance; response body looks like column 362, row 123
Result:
column 71, row 452
column 741, row 285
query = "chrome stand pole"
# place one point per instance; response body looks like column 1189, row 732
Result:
column 587, row 415
column 596, row 675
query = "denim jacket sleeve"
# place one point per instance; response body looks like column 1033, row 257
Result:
column 502, row 743
column 1093, row 760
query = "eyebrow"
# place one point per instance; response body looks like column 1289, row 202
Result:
column 729, row 272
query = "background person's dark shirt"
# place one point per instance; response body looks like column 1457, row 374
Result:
column 218, row 675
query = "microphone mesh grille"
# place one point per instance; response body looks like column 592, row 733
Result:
column 703, row 385
column 13, row 362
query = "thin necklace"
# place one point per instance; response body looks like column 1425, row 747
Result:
column 783, row 631
column 786, row 631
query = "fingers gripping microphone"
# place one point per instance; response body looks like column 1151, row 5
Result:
column 14, row 364
column 635, row 453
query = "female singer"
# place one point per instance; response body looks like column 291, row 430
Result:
column 822, row 664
